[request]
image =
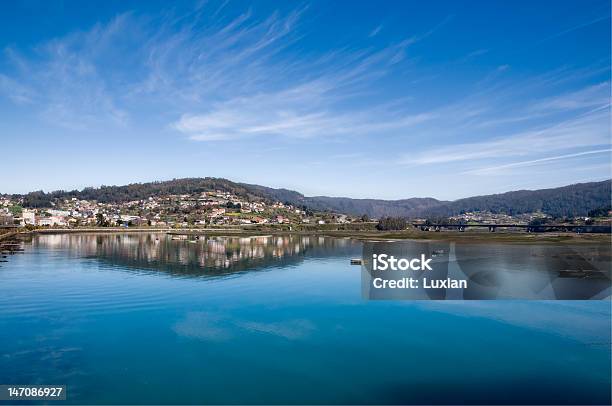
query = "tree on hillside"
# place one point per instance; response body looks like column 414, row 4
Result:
column 100, row 221
column 391, row 223
column 37, row 200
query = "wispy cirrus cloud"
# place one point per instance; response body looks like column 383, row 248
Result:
column 375, row 31
column 587, row 131
column 96, row 77
column 305, row 111
column 571, row 124
column 15, row 91
column 62, row 78
column 308, row 106
column 589, row 97
column 220, row 73
column 223, row 79
column 193, row 62
column 573, row 28
column 520, row 164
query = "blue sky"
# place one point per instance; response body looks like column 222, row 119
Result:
column 391, row 99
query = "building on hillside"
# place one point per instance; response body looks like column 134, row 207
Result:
column 6, row 220
column 216, row 212
column 52, row 221
column 28, row 217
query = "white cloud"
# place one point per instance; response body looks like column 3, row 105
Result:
column 15, row 91
column 62, row 81
column 589, row 97
column 302, row 112
column 584, row 130
column 496, row 169
column 375, row 31
column 235, row 77
column 194, row 62
column 307, row 108
column 222, row 79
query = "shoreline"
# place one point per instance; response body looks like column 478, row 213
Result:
column 365, row 235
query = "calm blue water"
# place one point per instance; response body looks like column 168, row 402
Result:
column 144, row 319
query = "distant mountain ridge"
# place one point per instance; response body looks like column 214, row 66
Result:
column 571, row 200
column 347, row 205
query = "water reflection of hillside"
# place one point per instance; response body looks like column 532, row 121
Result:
column 206, row 256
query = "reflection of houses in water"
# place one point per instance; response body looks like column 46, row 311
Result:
column 207, row 255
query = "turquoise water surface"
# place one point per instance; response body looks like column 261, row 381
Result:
column 142, row 318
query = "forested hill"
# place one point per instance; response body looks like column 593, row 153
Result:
column 139, row 191
column 572, row 200
column 374, row 208
column 370, row 207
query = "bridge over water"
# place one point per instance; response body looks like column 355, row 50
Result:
column 600, row 229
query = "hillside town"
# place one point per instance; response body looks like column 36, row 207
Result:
column 186, row 210
column 211, row 209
